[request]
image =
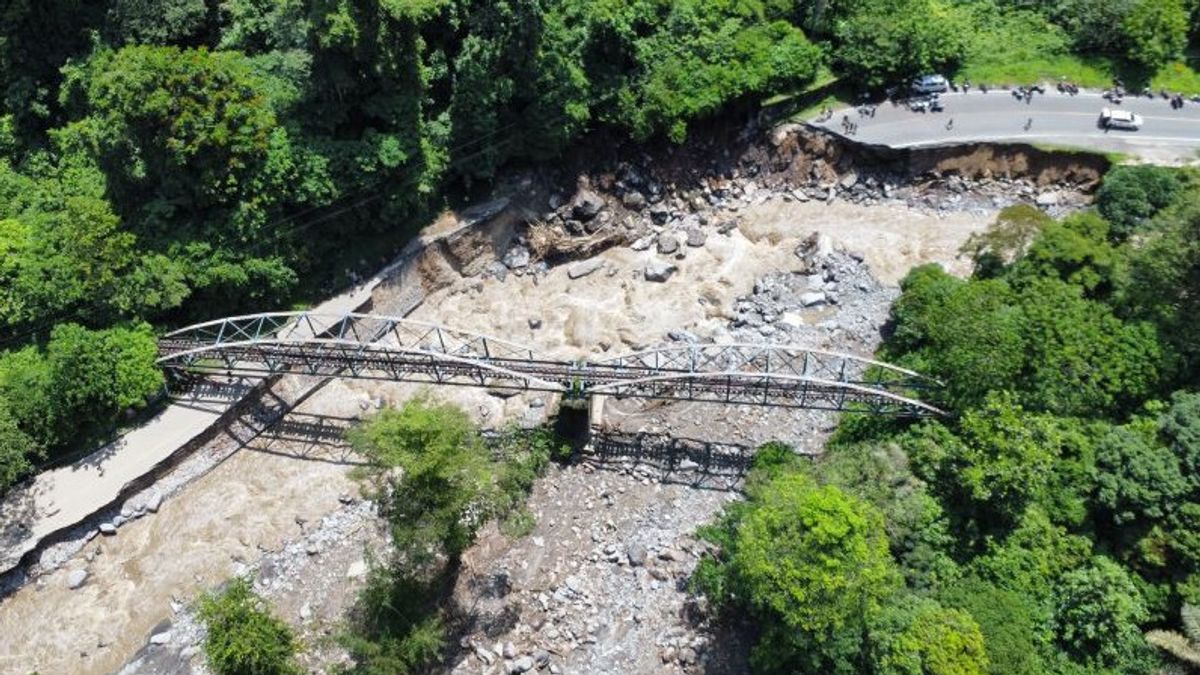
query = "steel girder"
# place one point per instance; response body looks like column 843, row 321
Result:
column 368, row 346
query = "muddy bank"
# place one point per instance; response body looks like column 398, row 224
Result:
column 797, row 148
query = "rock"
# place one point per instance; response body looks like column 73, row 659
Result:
column 584, row 268
column 541, row 658
column 498, row 270
column 667, row 243
column 305, row 612
column 671, row 554
column 76, row 578
column 154, row 501
column 642, row 244
column 486, row 655
column 357, row 569
column 108, row 529
column 688, row 465
column 509, row 650
column 634, row 200
column 516, row 257
column 312, row 549
column 660, row 213
column 659, row 573
column 586, row 205
column 119, row 520
column 658, row 270
column 849, row 180
column 636, row 554
column 522, row 665
column 687, row 656
column 682, row 336
column 1047, row 199
column 160, row 638
column 574, row 584
column 812, row 298
column 535, row 323
column 345, row 498
column 696, row 237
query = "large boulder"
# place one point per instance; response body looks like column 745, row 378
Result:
column 586, row 205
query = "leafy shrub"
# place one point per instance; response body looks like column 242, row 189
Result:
column 243, row 637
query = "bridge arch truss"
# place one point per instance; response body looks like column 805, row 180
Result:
column 394, row 348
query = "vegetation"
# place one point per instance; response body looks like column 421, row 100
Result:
column 162, row 162
column 243, row 637
column 1047, row 524
column 437, row 481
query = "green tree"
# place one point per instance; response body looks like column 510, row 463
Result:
column 1090, row 23
column 1097, row 610
column 1130, row 195
column 1011, row 631
column 1137, row 480
column 96, row 375
column 1157, row 31
column 917, row 636
column 968, row 334
column 433, row 479
column 704, row 55
column 1077, row 251
column 159, row 22
column 812, row 564
column 178, row 131
column 888, row 41
column 917, row 527
column 17, row 448
column 1163, row 284
column 1083, row 359
column 243, row 636
column 1000, row 461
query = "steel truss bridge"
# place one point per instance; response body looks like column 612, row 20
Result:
column 393, row 348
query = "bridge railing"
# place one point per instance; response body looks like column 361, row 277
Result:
column 381, row 347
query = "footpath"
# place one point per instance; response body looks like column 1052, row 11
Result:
column 66, row 496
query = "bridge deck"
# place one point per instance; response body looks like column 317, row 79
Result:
column 380, row 347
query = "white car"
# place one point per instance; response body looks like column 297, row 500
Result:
column 1120, row 119
column 930, row 84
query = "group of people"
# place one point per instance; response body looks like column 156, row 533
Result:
column 849, row 128
column 1026, row 93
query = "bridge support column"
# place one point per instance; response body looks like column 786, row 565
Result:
column 595, row 413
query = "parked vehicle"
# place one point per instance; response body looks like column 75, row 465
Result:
column 930, row 84
column 930, row 103
column 1120, row 119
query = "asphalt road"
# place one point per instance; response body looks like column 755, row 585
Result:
column 1166, row 134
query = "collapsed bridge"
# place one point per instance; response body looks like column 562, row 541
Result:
column 393, row 348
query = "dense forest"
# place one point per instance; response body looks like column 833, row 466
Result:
column 1049, row 524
